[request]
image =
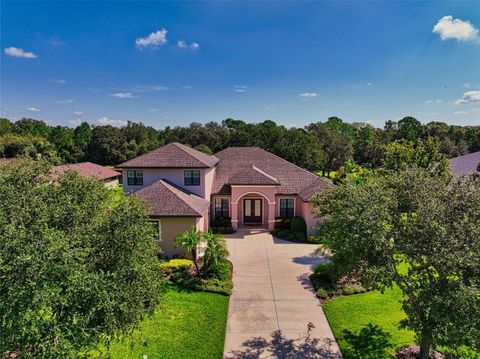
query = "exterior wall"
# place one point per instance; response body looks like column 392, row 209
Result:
column 309, row 216
column 171, row 227
column 174, row 175
column 268, row 195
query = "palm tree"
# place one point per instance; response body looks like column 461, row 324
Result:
column 190, row 240
column 216, row 250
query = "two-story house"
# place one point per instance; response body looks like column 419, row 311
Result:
column 185, row 187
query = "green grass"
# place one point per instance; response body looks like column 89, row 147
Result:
column 188, row 324
column 353, row 312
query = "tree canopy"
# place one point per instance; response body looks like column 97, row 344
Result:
column 74, row 271
column 421, row 232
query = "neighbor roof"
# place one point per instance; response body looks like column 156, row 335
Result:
column 168, row 200
column 173, row 155
column 466, row 164
column 87, row 169
column 245, row 165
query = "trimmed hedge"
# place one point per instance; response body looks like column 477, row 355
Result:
column 222, row 230
column 298, row 224
column 176, row 265
column 221, row 222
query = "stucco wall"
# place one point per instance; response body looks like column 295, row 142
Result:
column 308, row 215
column 174, row 175
column 111, row 183
column 171, row 227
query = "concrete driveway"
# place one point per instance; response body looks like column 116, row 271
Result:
column 273, row 310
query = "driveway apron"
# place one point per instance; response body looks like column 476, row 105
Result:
column 273, row 310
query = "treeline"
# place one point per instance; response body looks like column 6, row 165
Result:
column 322, row 146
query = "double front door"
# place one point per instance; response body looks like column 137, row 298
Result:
column 252, row 211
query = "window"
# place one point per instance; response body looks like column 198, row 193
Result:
column 157, row 225
column 192, row 178
column 286, row 207
column 221, row 208
column 135, row 178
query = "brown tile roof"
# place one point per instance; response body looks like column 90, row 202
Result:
column 292, row 179
column 466, row 164
column 173, row 155
column 87, row 169
column 168, row 200
column 252, row 176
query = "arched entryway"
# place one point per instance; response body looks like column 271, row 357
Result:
column 253, row 208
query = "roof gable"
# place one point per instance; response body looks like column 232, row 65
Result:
column 173, row 155
column 168, row 200
column 252, row 176
column 465, row 164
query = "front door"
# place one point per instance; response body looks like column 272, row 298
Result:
column 252, row 211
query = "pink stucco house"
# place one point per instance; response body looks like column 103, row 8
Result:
column 185, row 187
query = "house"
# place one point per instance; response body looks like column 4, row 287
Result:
column 251, row 186
column 107, row 175
column 466, row 164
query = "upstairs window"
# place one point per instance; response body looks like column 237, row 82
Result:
column 286, row 207
column 192, row 178
column 221, row 208
column 135, row 178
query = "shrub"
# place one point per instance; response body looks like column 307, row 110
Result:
column 213, row 285
column 322, row 293
column 220, row 270
column 221, row 222
column 215, row 252
column 325, row 274
column 282, row 223
column 299, row 236
column 298, row 224
column 176, row 265
column 229, row 230
column 290, row 236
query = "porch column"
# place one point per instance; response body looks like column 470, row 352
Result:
column 271, row 216
column 234, row 215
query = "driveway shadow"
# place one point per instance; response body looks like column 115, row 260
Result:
column 279, row 346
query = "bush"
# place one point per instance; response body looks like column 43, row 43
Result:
column 298, row 224
column 322, row 293
column 282, row 223
column 176, row 265
column 221, row 222
column 325, row 274
column 213, row 285
column 221, row 270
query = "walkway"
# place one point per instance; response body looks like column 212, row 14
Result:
column 273, row 310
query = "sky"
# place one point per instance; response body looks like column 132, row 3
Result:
column 172, row 63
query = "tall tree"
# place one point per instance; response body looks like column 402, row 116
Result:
column 420, row 232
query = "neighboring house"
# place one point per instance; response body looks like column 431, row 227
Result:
column 185, row 187
column 107, row 175
column 466, row 164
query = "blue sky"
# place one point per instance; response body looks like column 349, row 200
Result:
column 171, row 63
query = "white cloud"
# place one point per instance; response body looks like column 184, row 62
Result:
column 123, row 95
column 369, row 84
column 183, row 45
column 153, row 109
column 468, row 97
column 269, row 108
column 146, row 88
column 75, row 122
column 107, row 121
column 68, row 100
column 78, row 113
column 16, row 52
column 428, row 102
column 186, row 87
column 33, row 109
column 459, row 113
column 240, row 88
column 308, row 94
column 449, row 28
column 466, row 85
column 155, row 39
column 59, row 81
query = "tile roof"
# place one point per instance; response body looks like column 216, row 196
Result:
column 465, row 164
column 292, row 179
column 173, row 155
column 168, row 200
column 87, row 169
column 252, row 176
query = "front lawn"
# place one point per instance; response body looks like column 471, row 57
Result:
column 354, row 312
column 187, row 324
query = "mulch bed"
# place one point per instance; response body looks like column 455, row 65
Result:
column 413, row 352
